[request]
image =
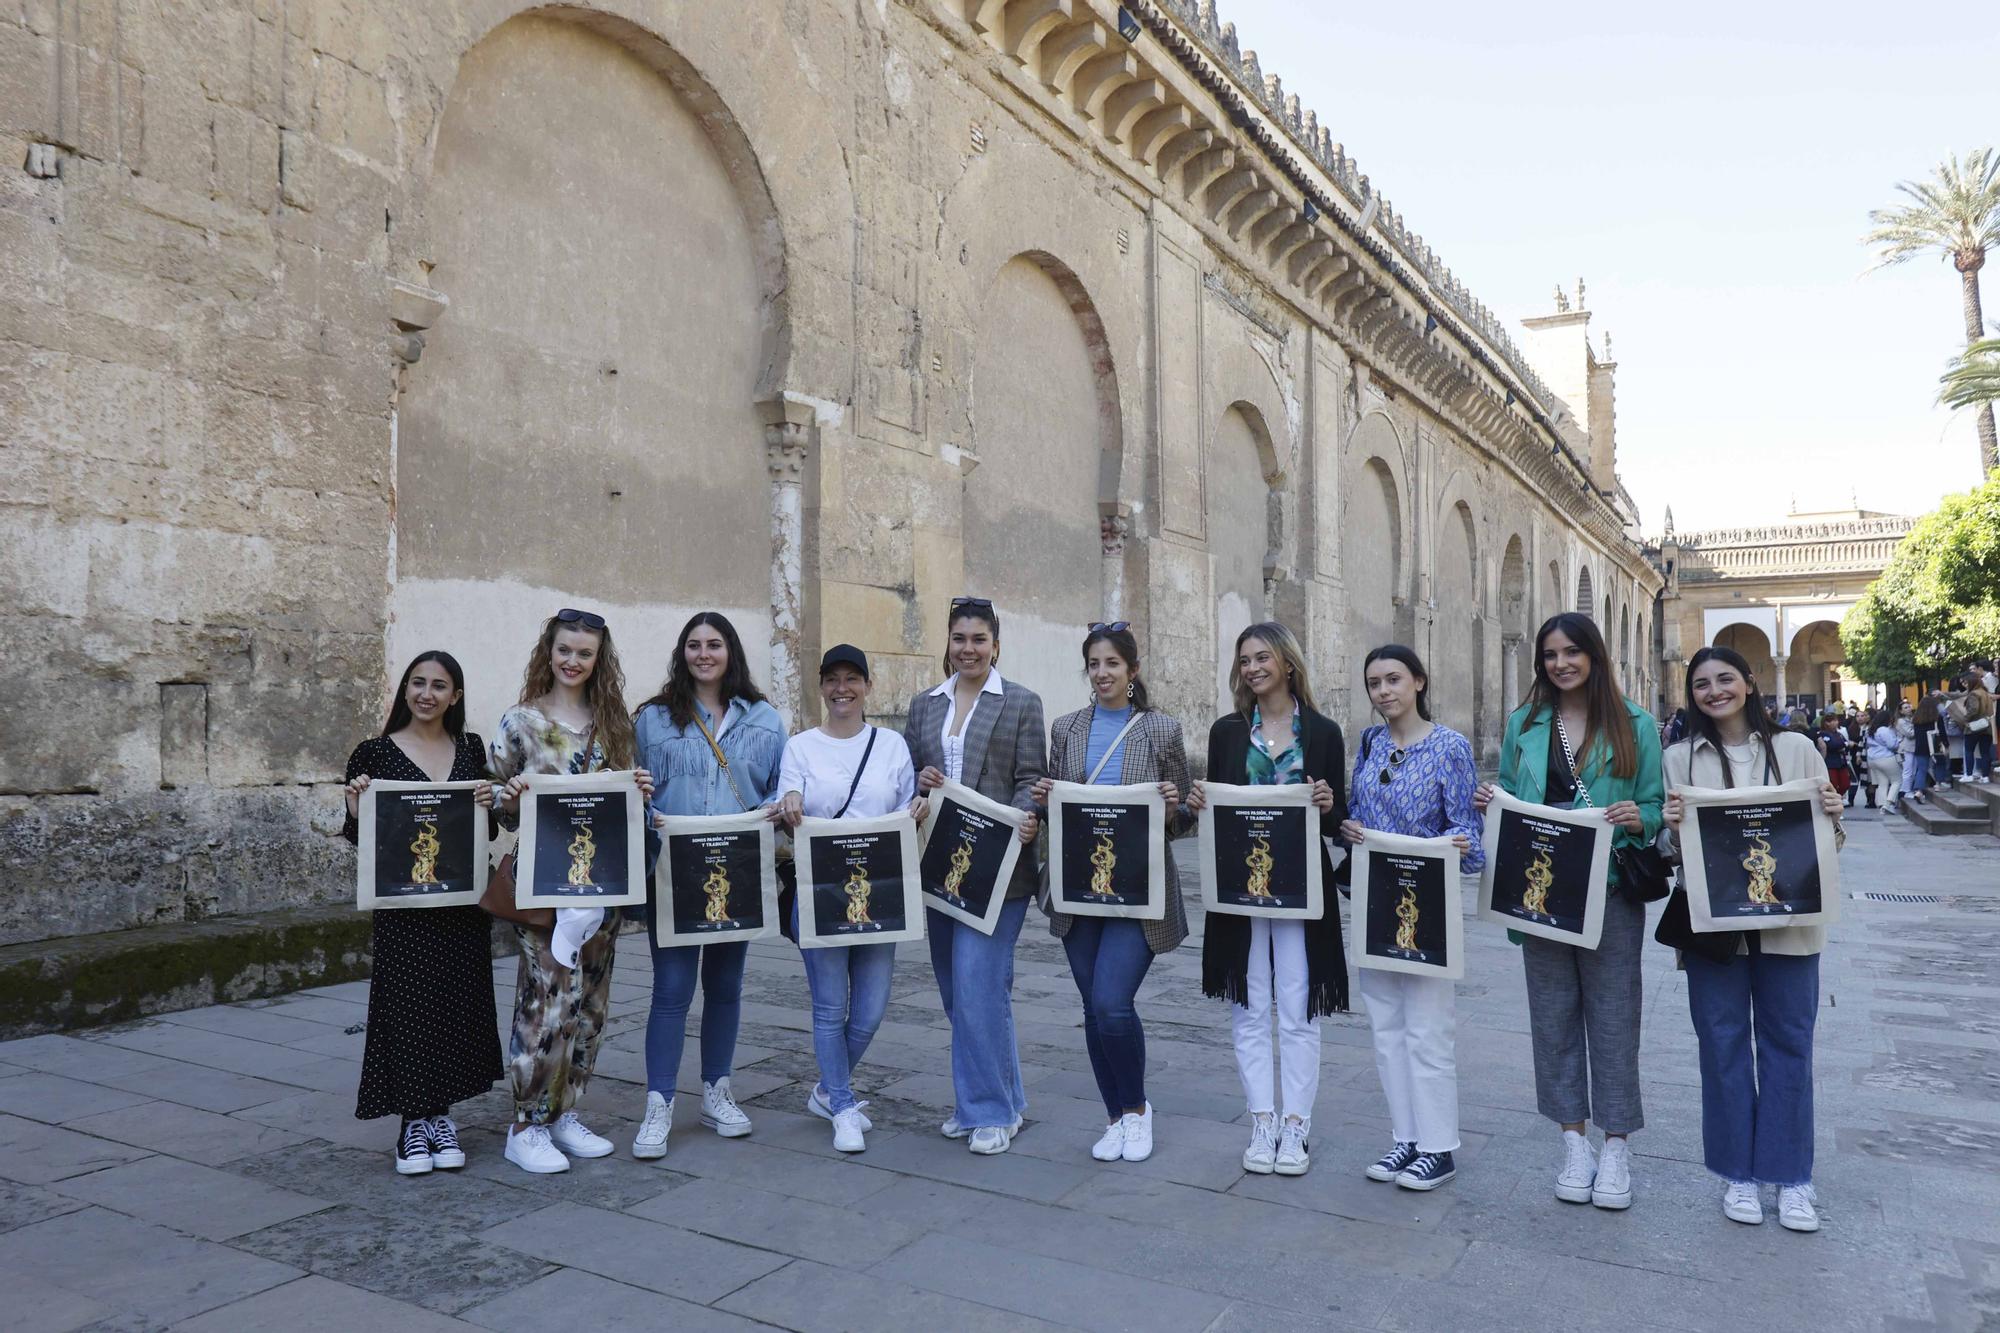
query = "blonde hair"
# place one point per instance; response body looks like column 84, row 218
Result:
column 1286, row 645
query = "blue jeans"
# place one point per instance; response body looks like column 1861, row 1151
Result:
column 975, row 976
column 1979, row 753
column 1109, row 956
column 720, row 967
column 850, row 993
column 1753, row 1017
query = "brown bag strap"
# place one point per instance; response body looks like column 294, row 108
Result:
column 721, row 759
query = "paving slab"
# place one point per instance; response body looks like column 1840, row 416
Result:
column 136, row 1267
column 1051, row 1289
column 794, row 1227
column 601, row 1304
column 194, row 1200
column 635, row 1251
column 35, row 1154
column 53, row 1099
column 186, row 1131
column 816, row 1299
column 315, row 1304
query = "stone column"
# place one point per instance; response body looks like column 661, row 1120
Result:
column 1114, row 525
column 788, row 433
column 1778, row 665
column 1510, row 672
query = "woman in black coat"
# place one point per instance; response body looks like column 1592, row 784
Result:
column 1298, row 968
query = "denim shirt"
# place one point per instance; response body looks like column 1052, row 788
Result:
column 686, row 778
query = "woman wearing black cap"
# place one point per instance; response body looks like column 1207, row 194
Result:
column 845, row 769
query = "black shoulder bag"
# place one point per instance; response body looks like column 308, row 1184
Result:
column 1643, row 874
column 788, row 867
column 1676, row 929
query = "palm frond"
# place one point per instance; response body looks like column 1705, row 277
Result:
column 1974, row 378
column 1954, row 212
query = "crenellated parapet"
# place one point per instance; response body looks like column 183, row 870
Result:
column 1826, row 546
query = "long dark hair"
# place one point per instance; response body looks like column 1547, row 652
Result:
column 1396, row 652
column 1606, row 712
column 677, row 691
column 972, row 611
column 1762, row 725
column 603, row 693
column 399, row 707
column 1125, row 646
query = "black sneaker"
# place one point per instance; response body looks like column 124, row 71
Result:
column 1428, row 1172
column 445, row 1151
column 1393, row 1162
column 413, row 1149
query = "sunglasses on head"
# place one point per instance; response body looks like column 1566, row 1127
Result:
column 1109, row 626
column 569, row 615
column 1396, row 758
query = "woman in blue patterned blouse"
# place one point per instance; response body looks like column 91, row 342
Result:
column 1415, row 778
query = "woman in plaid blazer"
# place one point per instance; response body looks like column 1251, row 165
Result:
column 1109, row 956
column 986, row 733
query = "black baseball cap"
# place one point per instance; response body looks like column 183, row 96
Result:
column 845, row 654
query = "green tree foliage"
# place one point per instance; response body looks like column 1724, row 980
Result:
column 1938, row 601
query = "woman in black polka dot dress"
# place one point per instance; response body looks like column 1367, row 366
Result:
column 433, row 1038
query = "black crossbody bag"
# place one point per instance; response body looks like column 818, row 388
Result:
column 788, row 867
column 1643, row 874
column 1676, row 929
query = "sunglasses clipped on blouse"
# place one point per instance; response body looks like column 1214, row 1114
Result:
column 1388, row 775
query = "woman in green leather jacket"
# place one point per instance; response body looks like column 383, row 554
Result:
column 1584, row 1004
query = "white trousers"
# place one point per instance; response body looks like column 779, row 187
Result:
column 1277, row 972
column 1415, row 1020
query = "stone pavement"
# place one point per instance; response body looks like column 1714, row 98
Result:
column 204, row 1171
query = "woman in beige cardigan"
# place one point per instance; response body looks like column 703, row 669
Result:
column 1754, row 1012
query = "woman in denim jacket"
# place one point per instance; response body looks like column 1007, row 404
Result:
column 708, row 706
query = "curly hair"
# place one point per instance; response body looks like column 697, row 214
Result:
column 603, row 692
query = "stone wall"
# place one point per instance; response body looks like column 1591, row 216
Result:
column 333, row 330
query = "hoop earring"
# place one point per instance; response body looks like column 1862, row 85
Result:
column 1128, row 689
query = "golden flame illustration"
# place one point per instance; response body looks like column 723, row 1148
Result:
column 961, row 862
column 425, row 848
column 857, row 889
column 1406, row 913
column 1763, row 868
column 716, row 887
column 1102, row 858
column 582, row 851
column 1540, row 875
column 1260, row 862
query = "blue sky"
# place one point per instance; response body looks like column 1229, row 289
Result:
column 1707, row 169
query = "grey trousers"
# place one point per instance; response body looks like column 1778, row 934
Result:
column 1583, row 1016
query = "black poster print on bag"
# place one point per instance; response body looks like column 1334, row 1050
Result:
column 961, row 862
column 1760, row 860
column 1407, row 903
column 1260, row 856
column 1104, row 855
column 424, row 843
column 1541, row 870
column 857, row 883
column 580, row 843
column 718, row 881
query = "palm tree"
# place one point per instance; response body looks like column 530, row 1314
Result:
column 1975, row 377
column 1955, row 213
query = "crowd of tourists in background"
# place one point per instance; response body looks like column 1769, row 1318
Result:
column 1901, row 748
column 708, row 743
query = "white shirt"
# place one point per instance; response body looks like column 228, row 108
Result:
column 954, row 746
column 821, row 768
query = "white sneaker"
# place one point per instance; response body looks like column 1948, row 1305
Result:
column 951, row 1129
column 529, row 1147
column 1740, row 1203
column 1112, row 1146
column 720, row 1112
column 1613, row 1186
column 1138, row 1134
column 574, row 1137
column 817, row 1103
column 651, row 1140
column 848, row 1128
column 990, row 1139
column 1293, row 1157
column 1795, row 1208
column 1579, row 1173
column 1262, row 1154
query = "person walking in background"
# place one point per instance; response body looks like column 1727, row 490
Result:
column 1833, row 750
column 984, row 733
column 1579, row 742
column 433, row 1036
column 1413, row 777
column 1975, row 719
column 1120, row 739
column 1295, row 969
column 1855, row 729
column 1885, row 756
column 712, row 742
